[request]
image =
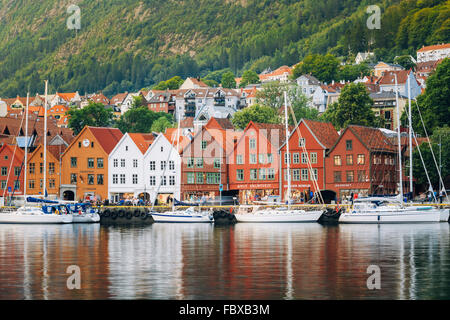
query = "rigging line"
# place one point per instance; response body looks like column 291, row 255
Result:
column 431, row 148
column 308, row 162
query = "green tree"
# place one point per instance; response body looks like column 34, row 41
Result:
column 255, row 113
column 138, row 101
column 228, row 80
column 94, row 114
column 324, row 67
column 161, row 124
column 434, row 103
column 139, row 119
column 405, row 61
column 173, row 83
column 353, row 107
column 249, row 77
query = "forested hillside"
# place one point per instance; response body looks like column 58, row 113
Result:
column 127, row 45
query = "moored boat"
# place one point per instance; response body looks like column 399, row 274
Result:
column 258, row 214
column 189, row 215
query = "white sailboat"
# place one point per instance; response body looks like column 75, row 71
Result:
column 83, row 212
column 40, row 213
column 280, row 214
column 391, row 210
column 189, row 215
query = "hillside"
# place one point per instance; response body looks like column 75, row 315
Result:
column 127, row 45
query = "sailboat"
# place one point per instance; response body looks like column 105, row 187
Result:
column 45, row 211
column 189, row 215
column 281, row 214
column 391, row 210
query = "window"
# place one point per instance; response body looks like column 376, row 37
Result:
column 100, row 179
column 349, row 159
column 163, row 165
column 337, row 176
column 377, row 160
column 135, row 163
column 204, row 144
column 122, row 163
column 134, row 179
column 287, row 158
column 31, row 184
column 100, row 163
column 296, row 174
column 386, row 160
column 152, row 181
column 239, row 175
column 162, row 149
column 171, row 165
column 163, row 180
column 301, row 142
column 262, row 174
column 115, row 163
column 16, row 185
column 387, row 115
column 213, row 178
column 90, row 179
column 337, row 160
column 271, row 174
column 252, row 158
column 199, row 162
column 252, row 144
column 217, row 163
column 361, row 175
column 41, row 167
column 361, row 159
column 3, row 184
column 261, row 158
column 253, row 174
column 51, row 183
column 92, row 144
column 392, row 160
column 315, row 174
column 304, row 157
column 90, row 162
column 190, row 177
column 126, row 148
column 73, row 178
column 200, row 179
column 4, row 171
column 115, row 178
column 239, row 159
column 348, row 145
column 73, row 162
column 304, row 174
column 122, row 179
column 313, row 157
column 152, row 165
column 51, row 168
column 349, row 176
column 171, row 180
column 269, row 158
column 79, row 144
column 190, row 163
column 17, row 171
column 31, row 168
column 296, row 158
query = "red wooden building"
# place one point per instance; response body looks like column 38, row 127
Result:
column 254, row 162
column 308, row 145
column 12, row 172
column 363, row 161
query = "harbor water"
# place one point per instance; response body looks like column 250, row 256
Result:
column 244, row 261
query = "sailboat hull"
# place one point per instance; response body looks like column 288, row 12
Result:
column 445, row 213
column 15, row 218
column 394, row 216
column 181, row 217
column 86, row 218
column 276, row 217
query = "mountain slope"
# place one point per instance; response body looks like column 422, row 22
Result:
column 127, row 45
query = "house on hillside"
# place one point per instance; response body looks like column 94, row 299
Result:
column 433, row 53
column 387, row 82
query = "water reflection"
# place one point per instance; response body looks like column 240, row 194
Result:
column 247, row 261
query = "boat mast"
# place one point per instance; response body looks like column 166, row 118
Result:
column 410, row 140
column 399, row 141
column 45, row 140
column 288, row 155
column 26, row 149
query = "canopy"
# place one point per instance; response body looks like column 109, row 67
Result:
column 37, row 200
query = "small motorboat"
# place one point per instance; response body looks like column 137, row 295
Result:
column 188, row 215
column 83, row 213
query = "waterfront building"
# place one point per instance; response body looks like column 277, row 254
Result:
column 11, row 173
column 363, row 161
column 254, row 162
column 126, row 166
column 308, row 145
column 85, row 164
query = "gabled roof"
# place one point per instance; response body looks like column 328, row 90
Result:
column 107, row 137
column 220, row 123
column 324, row 132
column 187, row 123
column 67, row 96
column 119, row 98
column 142, row 140
column 19, row 153
column 434, row 47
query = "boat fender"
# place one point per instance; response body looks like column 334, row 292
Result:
column 121, row 213
column 144, row 215
column 106, row 213
column 129, row 215
column 137, row 213
column 114, row 215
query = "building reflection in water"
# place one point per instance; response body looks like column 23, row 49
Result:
column 245, row 261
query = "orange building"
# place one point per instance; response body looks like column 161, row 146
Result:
column 35, row 168
column 85, row 164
